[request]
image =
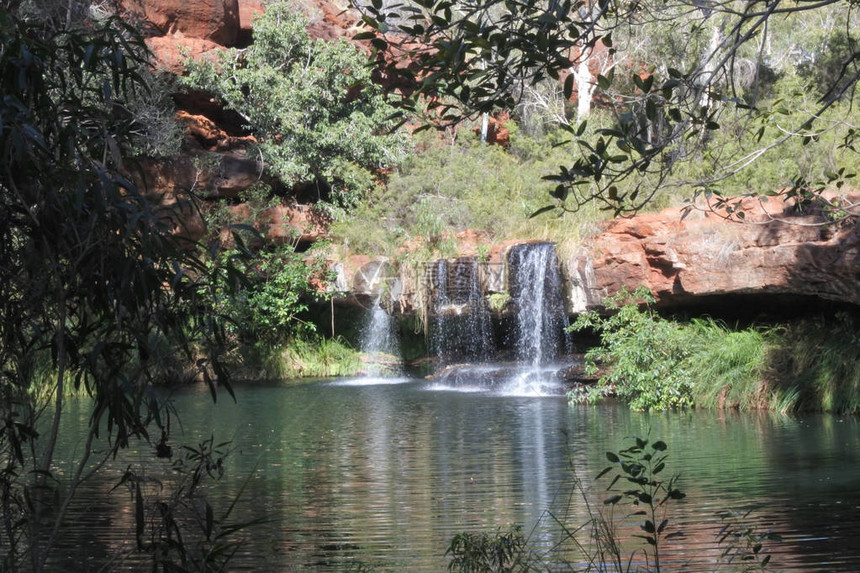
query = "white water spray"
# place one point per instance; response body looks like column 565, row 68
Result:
column 379, row 342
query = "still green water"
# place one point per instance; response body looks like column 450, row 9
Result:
column 385, row 475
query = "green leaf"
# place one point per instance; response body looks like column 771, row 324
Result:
column 210, row 520
column 581, row 128
column 650, row 109
column 612, row 457
column 138, row 515
column 647, row 83
column 604, row 82
column 568, row 86
column 542, row 210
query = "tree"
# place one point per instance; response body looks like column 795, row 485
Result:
column 97, row 293
column 690, row 69
column 311, row 103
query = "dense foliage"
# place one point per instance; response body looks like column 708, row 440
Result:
column 643, row 353
column 655, row 363
column 673, row 75
column 319, row 118
column 98, row 295
column 268, row 310
column 449, row 186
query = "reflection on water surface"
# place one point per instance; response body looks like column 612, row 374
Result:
column 385, row 474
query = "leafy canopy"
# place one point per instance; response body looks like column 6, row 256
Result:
column 672, row 74
column 97, row 293
column 311, row 103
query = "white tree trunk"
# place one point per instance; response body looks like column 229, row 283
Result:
column 709, row 65
column 584, row 85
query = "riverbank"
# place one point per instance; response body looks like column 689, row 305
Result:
column 651, row 362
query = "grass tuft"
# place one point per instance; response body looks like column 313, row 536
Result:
column 656, row 363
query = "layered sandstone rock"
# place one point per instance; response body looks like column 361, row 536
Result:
column 774, row 251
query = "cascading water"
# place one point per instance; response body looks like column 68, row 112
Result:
column 538, row 336
column 461, row 329
column 380, row 347
column 379, row 341
column 541, row 320
column 536, row 289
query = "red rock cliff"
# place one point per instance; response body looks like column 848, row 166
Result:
column 774, row 251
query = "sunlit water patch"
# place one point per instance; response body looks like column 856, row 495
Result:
column 501, row 379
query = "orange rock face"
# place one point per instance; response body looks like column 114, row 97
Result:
column 775, row 251
column 169, row 52
column 214, row 20
column 248, row 10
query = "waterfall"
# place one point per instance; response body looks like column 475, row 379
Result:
column 539, row 326
column 536, row 289
column 460, row 329
column 379, row 341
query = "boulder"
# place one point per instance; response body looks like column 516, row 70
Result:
column 218, row 174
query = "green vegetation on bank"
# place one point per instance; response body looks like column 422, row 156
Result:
column 656, row 363
column 449, row 185
column 302, row 357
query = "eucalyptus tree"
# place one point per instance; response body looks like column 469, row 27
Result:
column 96, row 293
column 681, row 71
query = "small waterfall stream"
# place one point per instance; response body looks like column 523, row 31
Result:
column 540, row 335
column 379, row 341
column 380, row 347
column 536, row 288
column 462, row 331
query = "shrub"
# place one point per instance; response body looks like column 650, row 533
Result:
column 446, row 187
column 814, row 365
column 656, row 363
column 311, row 103
column 278, row 287
column 483, row 552
column 644, row 354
